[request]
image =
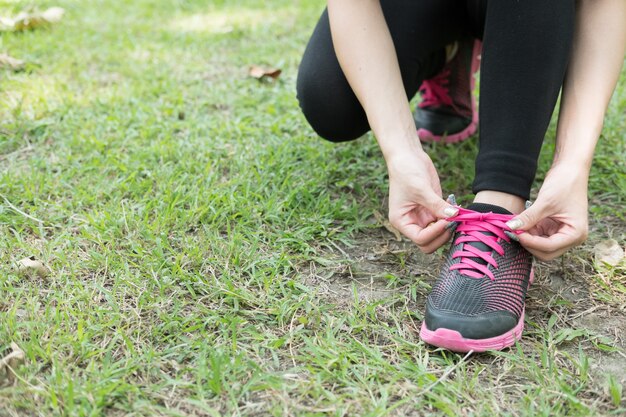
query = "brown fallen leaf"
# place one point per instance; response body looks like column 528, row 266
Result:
column 53, row 14
column 28, row 21
column 11, row 362
column 11, row 63
column 385, row 223
column 258, row 72
column 6, row 24
column 608, row 252
column 32, row 268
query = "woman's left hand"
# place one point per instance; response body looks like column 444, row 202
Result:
column 557, row 221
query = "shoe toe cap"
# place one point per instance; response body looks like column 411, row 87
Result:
column 480, row 326
column 439, row 122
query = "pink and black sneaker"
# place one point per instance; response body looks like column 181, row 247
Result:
column 448, row 110
column 477, row 304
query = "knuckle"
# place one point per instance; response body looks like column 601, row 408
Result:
column 528, row 217
column 550, row 205
column 395, row 221
column 536, row 253
column 545, row 256
column 551, row 256
column 427, row 249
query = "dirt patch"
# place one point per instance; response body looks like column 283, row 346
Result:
column 374, row 268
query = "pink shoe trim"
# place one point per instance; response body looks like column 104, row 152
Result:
column 428, row 136
column 452, row 340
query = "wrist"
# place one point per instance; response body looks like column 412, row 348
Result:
column 566, row 173
column 576, row 163
column 398, row 162
column 575, row 150
column 400, row 148
column 398, row 139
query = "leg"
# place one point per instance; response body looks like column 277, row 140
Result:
column 420, row 31
column 478, row 303
column 526, row 48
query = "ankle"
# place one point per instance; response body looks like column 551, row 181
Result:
column 511, row 202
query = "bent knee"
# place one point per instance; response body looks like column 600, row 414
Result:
column 334, row 115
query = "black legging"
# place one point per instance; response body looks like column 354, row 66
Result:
column 526, row 48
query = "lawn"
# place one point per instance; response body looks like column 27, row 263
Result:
column 209, row 255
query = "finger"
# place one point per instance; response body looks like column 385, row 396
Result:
column 546, row 227
column 549, row 244
column 423, row 218
column 437, row 243
column 424, row 236
column 529, row 217
column 541, row 247
column 537, row 231
column 547, row 256
column 439, row 207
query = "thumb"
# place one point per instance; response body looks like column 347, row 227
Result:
column 528, row 218
column 439, row 207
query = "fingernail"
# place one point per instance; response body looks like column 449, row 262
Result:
column 450, row 211
column 511, row 235
column 452, row 199
column 528, row 204
column 514, row 224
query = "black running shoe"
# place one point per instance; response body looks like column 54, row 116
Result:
column 478, row 301
column 448, row 110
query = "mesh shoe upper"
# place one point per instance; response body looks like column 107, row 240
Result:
column 482, row 286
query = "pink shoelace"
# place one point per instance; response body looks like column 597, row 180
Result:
column 472, row 227
column 435, row 91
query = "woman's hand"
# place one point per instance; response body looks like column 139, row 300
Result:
column 415, row 204
column 557, row 221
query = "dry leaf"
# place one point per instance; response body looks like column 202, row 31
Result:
column 259, row 73
column 53, row 14
column 11, row 63
column 385, row 223
column 10, row 362
column 31, row 268
column 7, row 24
column 28, row 21
column 608, row 252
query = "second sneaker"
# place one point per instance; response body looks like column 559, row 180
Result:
column 448, row 110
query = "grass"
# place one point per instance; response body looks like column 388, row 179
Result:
column 210, row 256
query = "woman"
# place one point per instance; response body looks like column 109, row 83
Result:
column 366, row 59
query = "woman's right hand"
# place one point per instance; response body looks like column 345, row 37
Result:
column 416, row 208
